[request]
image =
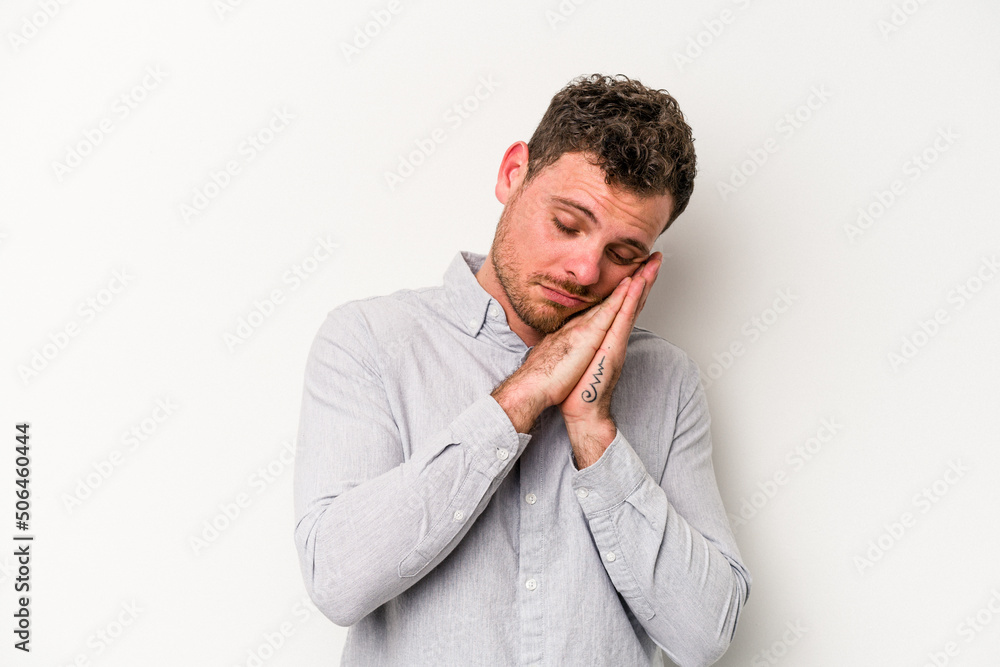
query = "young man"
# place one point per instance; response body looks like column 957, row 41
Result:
column 503, row 471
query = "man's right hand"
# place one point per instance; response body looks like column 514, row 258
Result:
column 555, row 365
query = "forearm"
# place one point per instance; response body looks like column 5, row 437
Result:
column 367, row 544
column 686, row 586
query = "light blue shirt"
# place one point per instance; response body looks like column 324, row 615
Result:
column 442, row 536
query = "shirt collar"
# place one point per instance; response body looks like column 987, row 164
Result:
column 467, row 296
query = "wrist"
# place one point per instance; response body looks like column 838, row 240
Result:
column 523, row 407
column 590, row 438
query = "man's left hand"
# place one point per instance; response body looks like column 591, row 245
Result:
column 587, row 408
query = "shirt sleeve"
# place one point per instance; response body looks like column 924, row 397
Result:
column 370, row 523
column 676, row 562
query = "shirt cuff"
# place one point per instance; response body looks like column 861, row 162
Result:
column 489, row 433
column 610, row 480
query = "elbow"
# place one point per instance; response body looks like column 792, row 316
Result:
column 337, row 592
column 713, row 651
column 340, row 594
column 716, row 631
column 717, row 645
column 707, row 650
column 340, row 608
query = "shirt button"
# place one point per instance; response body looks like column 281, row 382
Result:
column 459, row 515
column 530, row 498
column 583, row 492
column 473, row 323
column 502, row 454
column 493, row 312
column 611, row 556
column 531, row 584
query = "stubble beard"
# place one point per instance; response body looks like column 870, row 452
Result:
column 545, row 318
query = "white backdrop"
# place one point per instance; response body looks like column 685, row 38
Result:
column 189, row 187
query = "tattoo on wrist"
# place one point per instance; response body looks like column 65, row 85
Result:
column 590, row 395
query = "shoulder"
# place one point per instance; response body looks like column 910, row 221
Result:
column 374, row 320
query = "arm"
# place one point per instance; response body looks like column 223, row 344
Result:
column 675, row 560
column 370, row 524
column 666, row 544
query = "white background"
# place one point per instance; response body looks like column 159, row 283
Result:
column 118, row 547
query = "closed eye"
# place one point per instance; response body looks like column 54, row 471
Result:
column 563, row 228
column 618, row 259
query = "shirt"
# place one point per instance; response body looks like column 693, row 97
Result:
column 442, row 536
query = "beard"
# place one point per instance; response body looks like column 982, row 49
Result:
column 543, row 316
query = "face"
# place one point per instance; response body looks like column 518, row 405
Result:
column 564, row 241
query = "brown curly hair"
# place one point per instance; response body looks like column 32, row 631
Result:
column 637, row 136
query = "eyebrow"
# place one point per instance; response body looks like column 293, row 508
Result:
column 635, row 243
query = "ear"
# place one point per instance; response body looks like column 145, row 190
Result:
column 513, row 169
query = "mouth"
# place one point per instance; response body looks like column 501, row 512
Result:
column 560, row 297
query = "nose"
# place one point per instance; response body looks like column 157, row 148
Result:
column 584, row 264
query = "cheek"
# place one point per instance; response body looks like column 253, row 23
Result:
column 614, row 276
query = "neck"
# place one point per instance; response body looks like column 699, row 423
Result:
column 487, row 278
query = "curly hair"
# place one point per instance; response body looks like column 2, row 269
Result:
column 637, row 136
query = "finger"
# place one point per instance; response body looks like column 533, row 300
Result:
column 650, row 275
column 606, row 310
column 649, row 267
column 620, row 329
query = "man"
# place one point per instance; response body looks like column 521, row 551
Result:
column 501, row 470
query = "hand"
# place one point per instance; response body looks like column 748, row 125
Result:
column 589, row 402
column 556, row 364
